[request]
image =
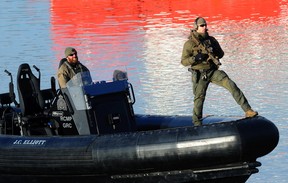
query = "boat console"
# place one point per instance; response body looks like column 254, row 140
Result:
column 94, row 108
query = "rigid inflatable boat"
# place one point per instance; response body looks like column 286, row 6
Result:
column 88, row 132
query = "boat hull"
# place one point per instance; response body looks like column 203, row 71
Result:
column 218, row 148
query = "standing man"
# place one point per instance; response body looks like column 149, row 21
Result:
column 69, row 67
column 201, row 53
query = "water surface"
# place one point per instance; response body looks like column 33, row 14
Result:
column 146, row 38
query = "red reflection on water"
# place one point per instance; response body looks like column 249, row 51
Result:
column 79, row 13
column 78, row 20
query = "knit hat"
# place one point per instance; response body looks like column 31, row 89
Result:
column 69, row 50
column 199, row 21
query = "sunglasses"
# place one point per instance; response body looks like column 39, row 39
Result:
column 203, row 25
column 73, row 54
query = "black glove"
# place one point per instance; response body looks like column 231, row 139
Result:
column 201, row 57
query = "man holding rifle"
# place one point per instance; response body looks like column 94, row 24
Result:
column 201, row 53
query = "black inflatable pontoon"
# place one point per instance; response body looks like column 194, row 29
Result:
column 89, row 133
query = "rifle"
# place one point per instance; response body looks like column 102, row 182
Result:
column 211, row 57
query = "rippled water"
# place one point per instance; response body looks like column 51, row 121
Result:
column 146, row 38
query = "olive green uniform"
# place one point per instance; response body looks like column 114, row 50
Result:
column 206, row 71
column 66, row 71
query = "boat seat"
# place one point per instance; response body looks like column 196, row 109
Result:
column 32, row 103
column 8, row 113
column 28, row 85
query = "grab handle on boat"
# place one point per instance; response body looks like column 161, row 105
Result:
column 38, row 70
column 11, row 89
column 133, row 99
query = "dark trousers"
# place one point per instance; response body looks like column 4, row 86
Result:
column 219, row 78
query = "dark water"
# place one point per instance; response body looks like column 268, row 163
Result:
column 145, row 38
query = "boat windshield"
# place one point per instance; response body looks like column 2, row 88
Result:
column 75, row 89
column 80, row 79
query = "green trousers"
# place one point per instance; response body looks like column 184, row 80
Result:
column 218, row 77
